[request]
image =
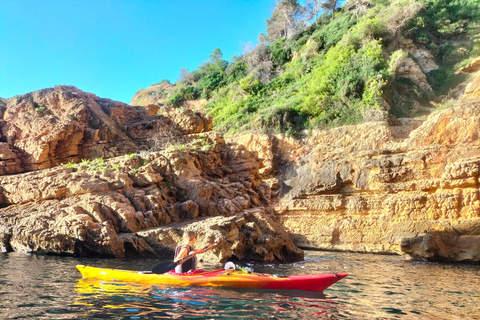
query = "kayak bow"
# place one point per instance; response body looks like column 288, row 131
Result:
column 219, row 278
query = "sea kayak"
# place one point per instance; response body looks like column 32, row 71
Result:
column 238, row 279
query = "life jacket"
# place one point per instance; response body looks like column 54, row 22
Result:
column 190, row 264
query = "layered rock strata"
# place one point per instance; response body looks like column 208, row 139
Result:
column 409, row 186
column 371, row 188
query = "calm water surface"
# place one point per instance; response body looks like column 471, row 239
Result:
column 378, row 287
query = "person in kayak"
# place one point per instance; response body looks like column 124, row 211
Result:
column 184, row 250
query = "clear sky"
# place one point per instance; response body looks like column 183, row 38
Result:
column 112, row 48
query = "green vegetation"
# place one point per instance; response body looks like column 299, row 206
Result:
column 450, row 30
column 85, row 162
column 215, row 181
column 180, row 147
column 69, row 165
column 97, row 164
column 206, row 146
column 336, row 69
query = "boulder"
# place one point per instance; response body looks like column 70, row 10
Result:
column 252, row 234
column 443, row 246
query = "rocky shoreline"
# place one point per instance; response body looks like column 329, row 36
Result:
column 408, row 187
column 86, row 176
column 416, row 196
column 128, row 175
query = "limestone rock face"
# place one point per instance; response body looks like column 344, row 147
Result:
column 48, row 127
column 155, row 95
column 443, row 246
column 152, row 95
column 262, row 145
column 472, row 90
column 113, row 201
column 370, row 188
column 472, row 67
column 408, row 186
column 10, row 161
column 454, row 127
column 410, row 69
column 425, row 59
column 89, row 209
column 51, row 126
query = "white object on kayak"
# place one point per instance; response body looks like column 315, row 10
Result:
column 229, row 266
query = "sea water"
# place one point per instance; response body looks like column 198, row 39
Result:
column 377, row 287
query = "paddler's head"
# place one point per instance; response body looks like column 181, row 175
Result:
column 190, row 237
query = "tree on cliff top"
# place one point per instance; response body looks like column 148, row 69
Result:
column 313, row 8
column 329, row 5
column 286, row 20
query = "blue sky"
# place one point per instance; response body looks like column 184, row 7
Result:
column 113, row 48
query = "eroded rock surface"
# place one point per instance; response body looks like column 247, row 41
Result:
column 131, row 173
column 253, row 234
column 409, row 186
column 48, row 127
column 472, row 89
column 368, row 188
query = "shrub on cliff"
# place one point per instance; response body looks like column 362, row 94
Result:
column 337, row 69
column 440, row 23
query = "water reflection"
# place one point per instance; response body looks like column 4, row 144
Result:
column 144, row 301
column 29, row 288
column 378, row 287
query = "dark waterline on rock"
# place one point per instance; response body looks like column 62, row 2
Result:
column 378, row 287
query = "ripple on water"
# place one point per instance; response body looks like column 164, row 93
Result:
column 381, row 287
column 211, row 302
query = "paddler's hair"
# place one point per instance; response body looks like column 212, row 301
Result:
column 189, row 236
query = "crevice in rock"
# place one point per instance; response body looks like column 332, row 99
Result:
column 5, row 240
column 7, row 244
column 8, row 247
column 81, row 250
column 132, row 251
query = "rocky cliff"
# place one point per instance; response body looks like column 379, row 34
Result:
column 154, row 94
column 410, row 186
column 132, row 181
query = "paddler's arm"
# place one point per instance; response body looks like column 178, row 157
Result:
column 209, row 247
column 184, row 251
